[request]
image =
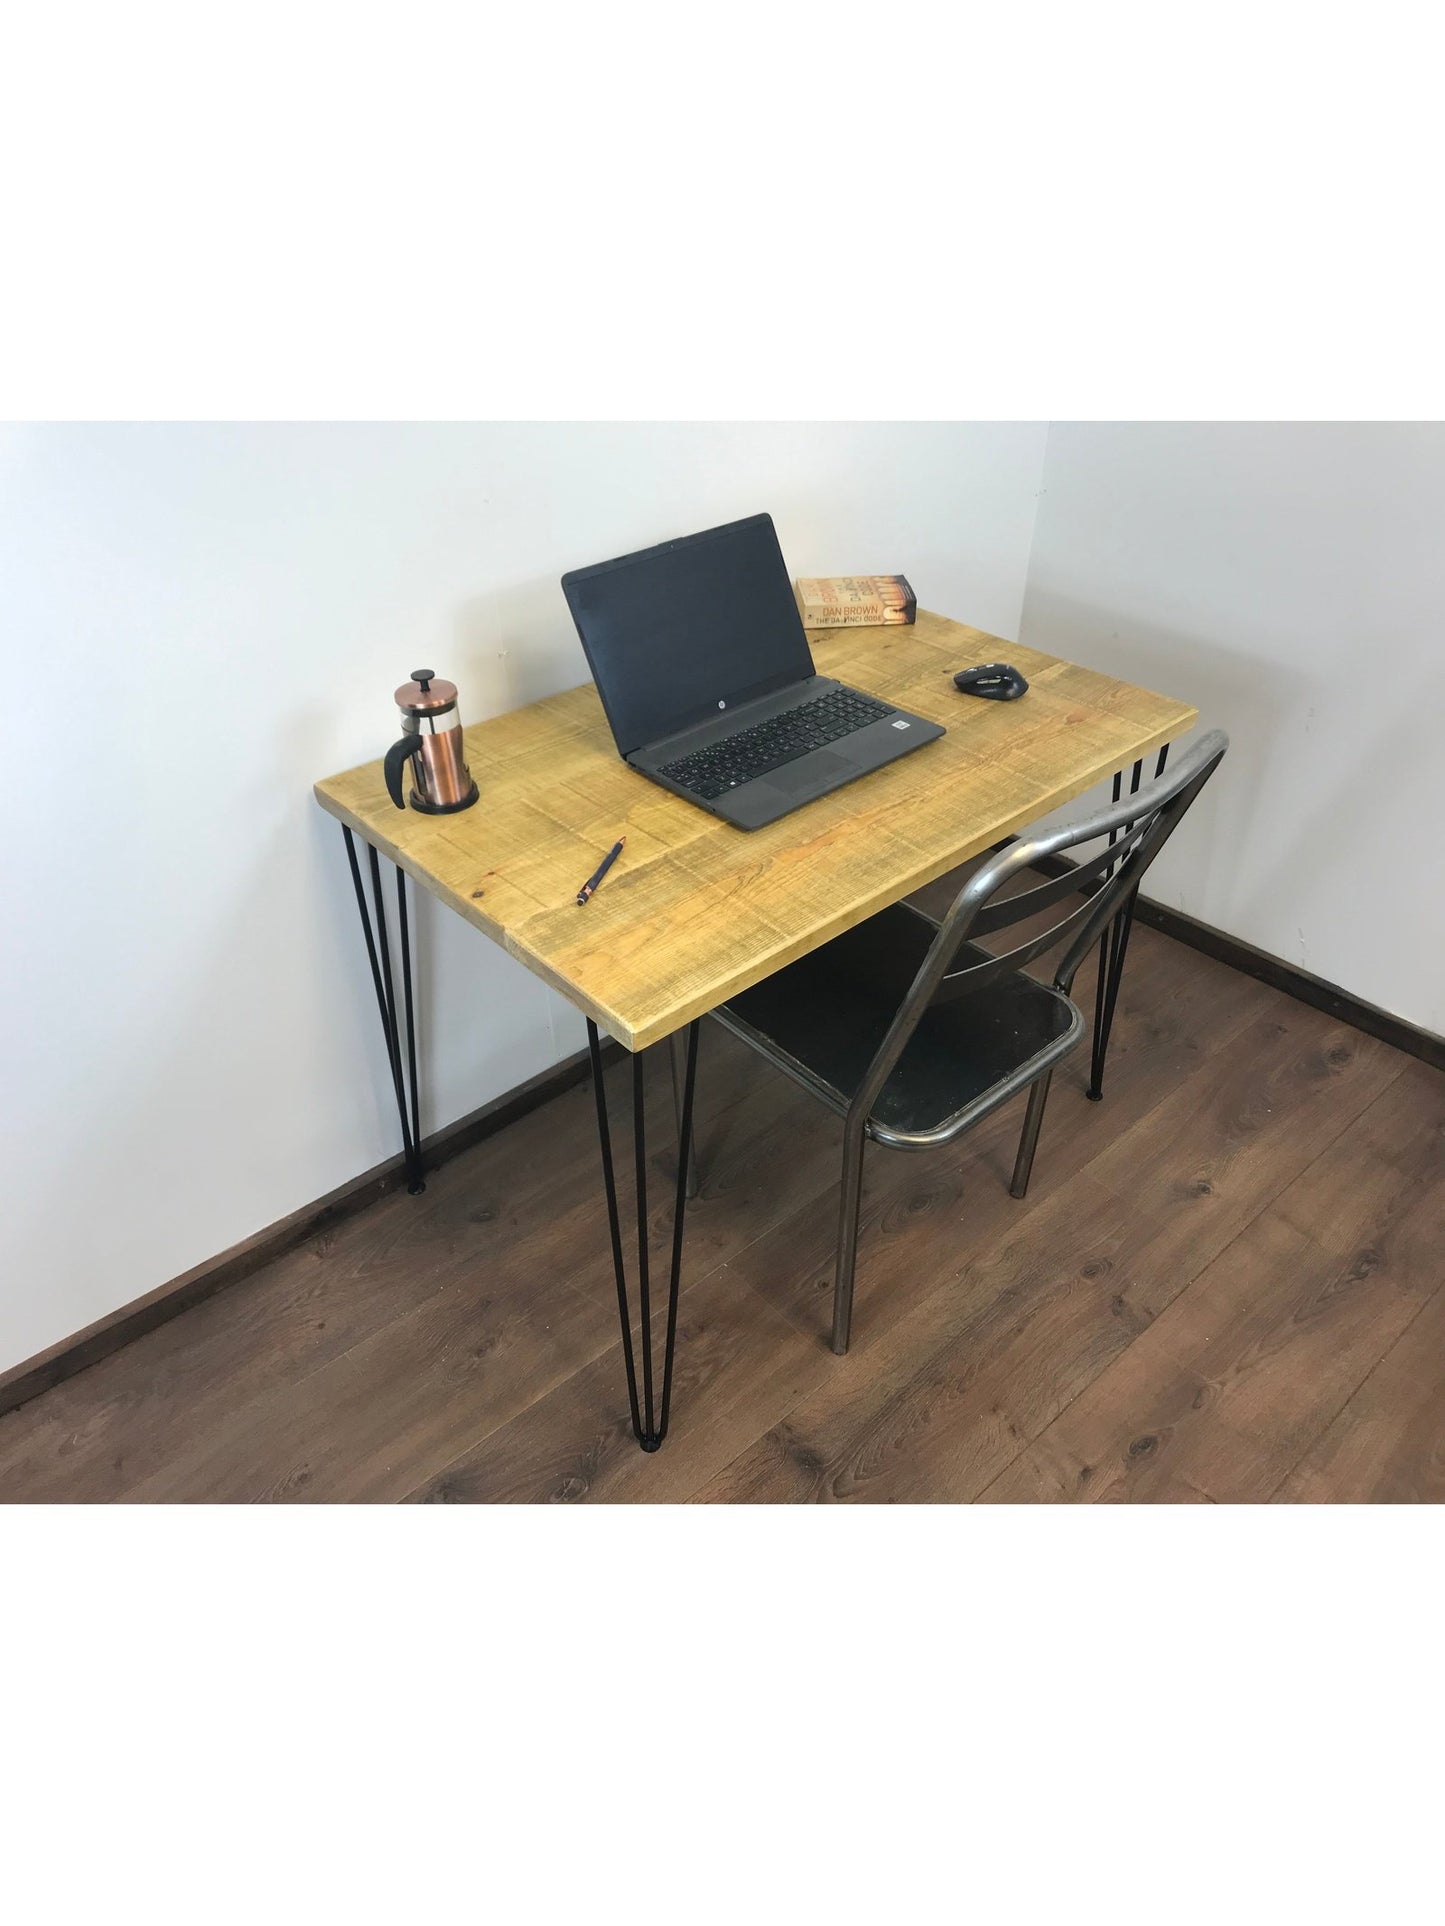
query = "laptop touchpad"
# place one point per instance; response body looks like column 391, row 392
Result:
column 820, row 766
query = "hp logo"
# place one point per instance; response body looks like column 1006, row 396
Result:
column 722, row 705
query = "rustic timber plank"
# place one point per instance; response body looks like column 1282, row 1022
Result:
column 696, row 911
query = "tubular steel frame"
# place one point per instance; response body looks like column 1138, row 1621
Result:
column 1109, row 881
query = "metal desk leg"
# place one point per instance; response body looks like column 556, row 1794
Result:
column 649, row 1434
column 378, row 951
column 678, row 1076
column 1113, row 947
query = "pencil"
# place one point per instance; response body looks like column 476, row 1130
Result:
column 601, row 870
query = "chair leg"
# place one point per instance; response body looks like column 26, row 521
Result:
column 849, row 1202
column 1028, row 1143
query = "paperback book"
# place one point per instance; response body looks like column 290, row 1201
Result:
column 854, row 601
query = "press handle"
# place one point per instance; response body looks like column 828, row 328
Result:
column 396, row 757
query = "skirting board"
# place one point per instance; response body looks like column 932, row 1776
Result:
column 73, row 1354
column 1278, row 974
column 1295, row 982
column 110, row 1333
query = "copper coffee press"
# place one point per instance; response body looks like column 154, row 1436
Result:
column 432, row 733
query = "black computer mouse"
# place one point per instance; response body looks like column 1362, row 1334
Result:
column 996, row 680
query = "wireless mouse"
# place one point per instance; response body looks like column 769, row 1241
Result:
column 996, row 680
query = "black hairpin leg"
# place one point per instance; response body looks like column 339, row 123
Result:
column 649, row 1434
column 378, row 951
column 1113, row 947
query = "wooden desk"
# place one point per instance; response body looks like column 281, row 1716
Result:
column 696, row 911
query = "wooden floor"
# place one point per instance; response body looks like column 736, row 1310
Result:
column 1225, row 1286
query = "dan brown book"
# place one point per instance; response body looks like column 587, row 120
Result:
column 854, row 601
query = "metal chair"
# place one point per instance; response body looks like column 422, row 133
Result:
column 913, row 1034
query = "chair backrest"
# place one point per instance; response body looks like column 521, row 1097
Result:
column 1137, row 825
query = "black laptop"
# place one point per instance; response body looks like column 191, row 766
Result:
column 699, row 655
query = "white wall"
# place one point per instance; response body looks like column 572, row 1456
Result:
column 198, row 622
column 1290, row 580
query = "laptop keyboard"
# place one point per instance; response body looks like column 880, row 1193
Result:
column 767, row 745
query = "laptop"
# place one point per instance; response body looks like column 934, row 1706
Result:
column 705, row 674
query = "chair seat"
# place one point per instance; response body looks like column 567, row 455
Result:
column 822, row 1019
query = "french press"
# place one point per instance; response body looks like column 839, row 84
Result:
column 432, row 734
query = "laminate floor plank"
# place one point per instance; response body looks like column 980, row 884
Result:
column 414, row 1389
column 358, row 1428
column 526, row 1201
column 1386, row 1444
column 1223, row 1286
column 1234, row 1383
column 738, row 1365
column 1174, row 1026
column 945, row 1386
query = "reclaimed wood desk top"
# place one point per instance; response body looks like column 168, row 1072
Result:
column 695, row 911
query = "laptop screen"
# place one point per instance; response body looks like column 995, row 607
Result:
column 676, row 634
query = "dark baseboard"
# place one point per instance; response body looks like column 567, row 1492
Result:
column 110, row 1333
column 1279, row 975
column 63, row 1360
column 1295, row 982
